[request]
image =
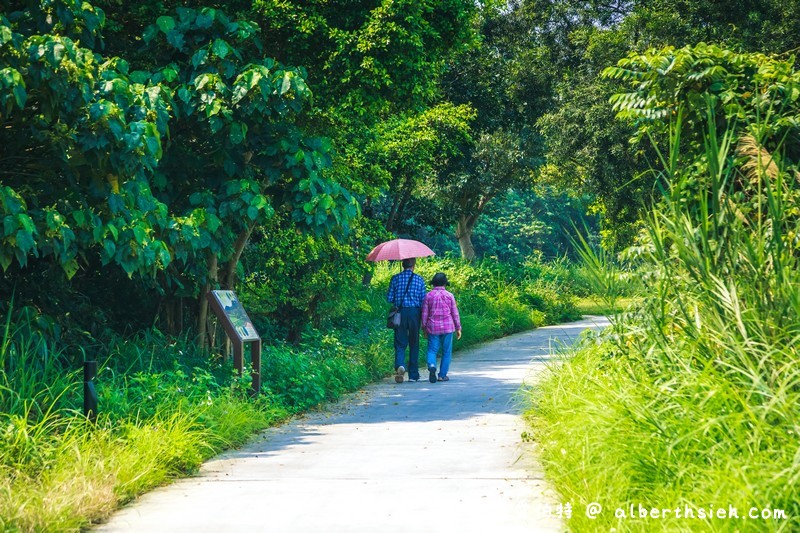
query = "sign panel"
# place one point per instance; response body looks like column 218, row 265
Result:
column 236, row 315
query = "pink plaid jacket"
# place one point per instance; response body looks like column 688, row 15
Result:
column 439, row 312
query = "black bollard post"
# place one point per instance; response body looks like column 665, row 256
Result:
column 89, row 393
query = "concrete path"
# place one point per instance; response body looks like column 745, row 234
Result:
column 413, row 457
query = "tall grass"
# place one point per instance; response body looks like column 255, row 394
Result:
column 32, row 379
column 159, row 420
column 694, row 400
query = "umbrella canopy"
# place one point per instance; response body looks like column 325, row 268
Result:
column 398, row 249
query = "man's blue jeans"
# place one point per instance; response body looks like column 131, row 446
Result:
column 407, row 335
column 445, row 341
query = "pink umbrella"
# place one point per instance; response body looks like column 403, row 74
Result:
column 398, row 249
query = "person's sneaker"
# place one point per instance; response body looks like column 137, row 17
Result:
column 398, row 376
column 432, row 374
column 444, row 378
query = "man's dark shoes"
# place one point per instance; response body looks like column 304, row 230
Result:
column 398, row 376
column 432, row 374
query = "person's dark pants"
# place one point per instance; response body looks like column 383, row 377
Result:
column 408, row 335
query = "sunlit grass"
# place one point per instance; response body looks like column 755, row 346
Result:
column 592, row 305
column 692, row 397
column 164, row 407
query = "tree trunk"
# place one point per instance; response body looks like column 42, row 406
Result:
column 202, row 321
column 395, row 204
column 180, row 314
column 366, row 279
column 392, row 215
column 229, row 281
column 464, row 228
column 398, row 206
column 170, row 315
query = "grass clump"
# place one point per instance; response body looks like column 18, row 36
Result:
column 693, row 398
column 160, row 419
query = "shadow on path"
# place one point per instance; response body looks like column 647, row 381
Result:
column 393, row 457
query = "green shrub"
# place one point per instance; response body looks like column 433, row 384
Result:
column 694, row 398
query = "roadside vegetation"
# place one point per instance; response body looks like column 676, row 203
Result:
column 691, row 399
column 165, row 407
column 152, row 154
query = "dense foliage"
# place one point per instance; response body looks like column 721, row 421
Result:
column 692, row 396
column 569, row 43
column 162, row 163
column 154, row 151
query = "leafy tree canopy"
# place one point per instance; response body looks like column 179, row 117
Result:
column 572, row 41
column 162, row 162
column 79, row 137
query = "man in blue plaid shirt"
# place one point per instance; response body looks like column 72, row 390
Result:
column 407, row 291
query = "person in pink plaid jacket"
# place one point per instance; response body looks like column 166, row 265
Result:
column 439, row 321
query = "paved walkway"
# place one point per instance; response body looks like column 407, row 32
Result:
column 413, row 457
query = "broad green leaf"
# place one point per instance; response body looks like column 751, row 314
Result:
column 24, row 241
column 100, row 109
column 169, row 74
column 6, row 34
column 70, row 268
column 202, row 80
column 184, row 94
column 221, row 48
column 164, row 256
column 140, row 76
column 203, row 21
column 98, row 232
column 9, row 224
column 20, row 95
column 186, row 15
column 199, row 58
column 149, row 33
column 80, row 218
column 110, row 248
column 176, row 39
column 5, row 259
column 26, row 222
column 165, row 23
column 213, row 223
column 238, row 132
column 287, row 83
column 140, row 234
column 230, row 167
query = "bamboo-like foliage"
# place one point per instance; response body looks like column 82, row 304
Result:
column 696, row 396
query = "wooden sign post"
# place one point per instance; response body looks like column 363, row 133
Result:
column 240, row 330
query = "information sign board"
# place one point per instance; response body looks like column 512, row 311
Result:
column 236, row 315
column 240, row 330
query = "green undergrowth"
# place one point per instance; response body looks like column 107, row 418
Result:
column 165, row 408
column 615, row 431
column 591, row 305
column 59, row 472
column 691, row 399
